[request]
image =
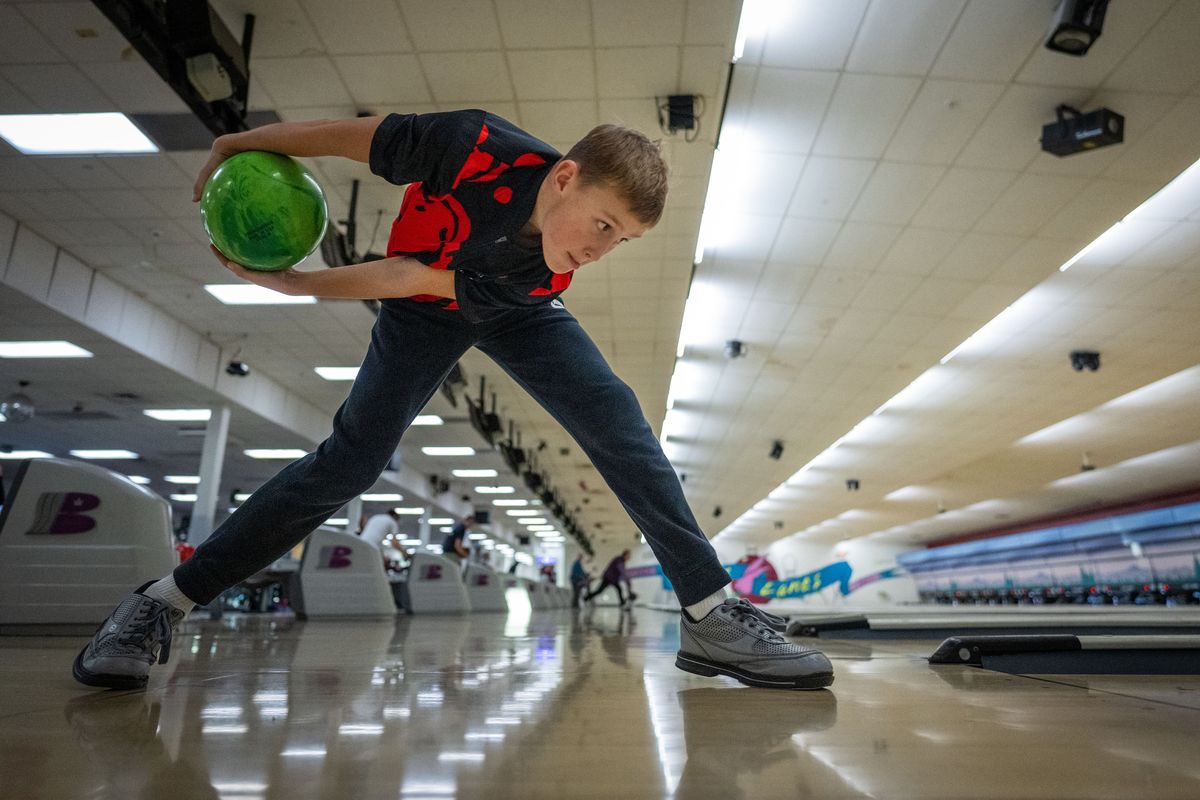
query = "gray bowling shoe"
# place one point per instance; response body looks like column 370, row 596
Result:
column 733, row 640
column 135, row 636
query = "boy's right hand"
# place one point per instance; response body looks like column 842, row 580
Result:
column 223, row 147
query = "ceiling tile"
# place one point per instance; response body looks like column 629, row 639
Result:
column 991, row 40
column 357, row 27
column 943, row 117
column 455, row 77
column 627, row 23
column 545, row 24
column 380, row 80
column 553, row 75
column 863, row 115
column 810, row 35
column 902, row 39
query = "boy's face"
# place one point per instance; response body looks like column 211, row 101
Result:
column 582, row 224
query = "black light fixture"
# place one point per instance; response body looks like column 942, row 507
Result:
column 1076, row 26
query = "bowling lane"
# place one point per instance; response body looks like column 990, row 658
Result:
column 556, row 704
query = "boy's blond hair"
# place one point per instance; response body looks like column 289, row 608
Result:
column 627, row 161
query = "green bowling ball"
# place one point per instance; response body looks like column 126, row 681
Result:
column 263, row 210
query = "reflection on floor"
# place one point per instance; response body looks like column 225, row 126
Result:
column 561, row 705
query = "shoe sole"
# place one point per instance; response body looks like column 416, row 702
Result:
column 702, row 666
column 107, row 681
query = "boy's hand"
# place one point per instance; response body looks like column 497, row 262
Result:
column 284, row 281
column 223, row 147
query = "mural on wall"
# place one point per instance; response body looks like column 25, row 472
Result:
column 757, row 580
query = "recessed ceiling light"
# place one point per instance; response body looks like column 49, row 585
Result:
column 179, row 414
column 267, row 453
column 510, row 503
column 21, row 455
column 384, row 497
column 495, row 489
column 448, row 451
column 337, row 373
column 182, row 480
column 428, row 419
column 106, row 455
column 184, row 498
column 73, row 134
column 247, row 294
column 474, row 473
column 53, row 349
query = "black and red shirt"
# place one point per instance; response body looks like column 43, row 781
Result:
column 473, row 181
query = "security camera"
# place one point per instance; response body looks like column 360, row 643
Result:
column 237, row 369
column 776, row 450
column 1085, row 359
column 717, row 511
column 735, row 348
column 852, row 485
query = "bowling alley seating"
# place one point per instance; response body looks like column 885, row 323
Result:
column 74, row 539
column 341, row 575
column 485, row 588
column 435, row 586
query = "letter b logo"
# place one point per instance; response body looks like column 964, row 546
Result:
column 63, row 512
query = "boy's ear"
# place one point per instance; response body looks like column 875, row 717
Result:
column 565, row 172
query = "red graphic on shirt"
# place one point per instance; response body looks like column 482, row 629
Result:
column 439, row 224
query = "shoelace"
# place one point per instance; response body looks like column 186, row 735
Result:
column 742, row 610
column 151, row 625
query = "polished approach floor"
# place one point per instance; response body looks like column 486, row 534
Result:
column 560, row 705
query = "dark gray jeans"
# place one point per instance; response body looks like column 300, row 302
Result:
column 413, row 347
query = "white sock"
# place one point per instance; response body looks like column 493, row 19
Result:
column 169, row 593
column 698, row 611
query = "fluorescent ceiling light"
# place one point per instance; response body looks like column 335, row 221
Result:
column 440, row 521
column 179, row 414
column 182, row 480
column 20, row 455
column 510, row 503
column 478, row 537
column 474, row 473
column 106, row 455
column 448, row 451
column 73, row 134
column 495, row 489
column 184, row 498
column 247, row 294
column 411, row 511
column 337, row 521
column 268, row 453
column 751, row 25
column 410, row 542
column 532, row 520
column 384, row 497
column 428, row 419
column 140, row 480
column 53, row 349
column 529, row 512
column 337, row 373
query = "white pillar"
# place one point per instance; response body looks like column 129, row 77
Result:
column 353, row 514
column 216, row 435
